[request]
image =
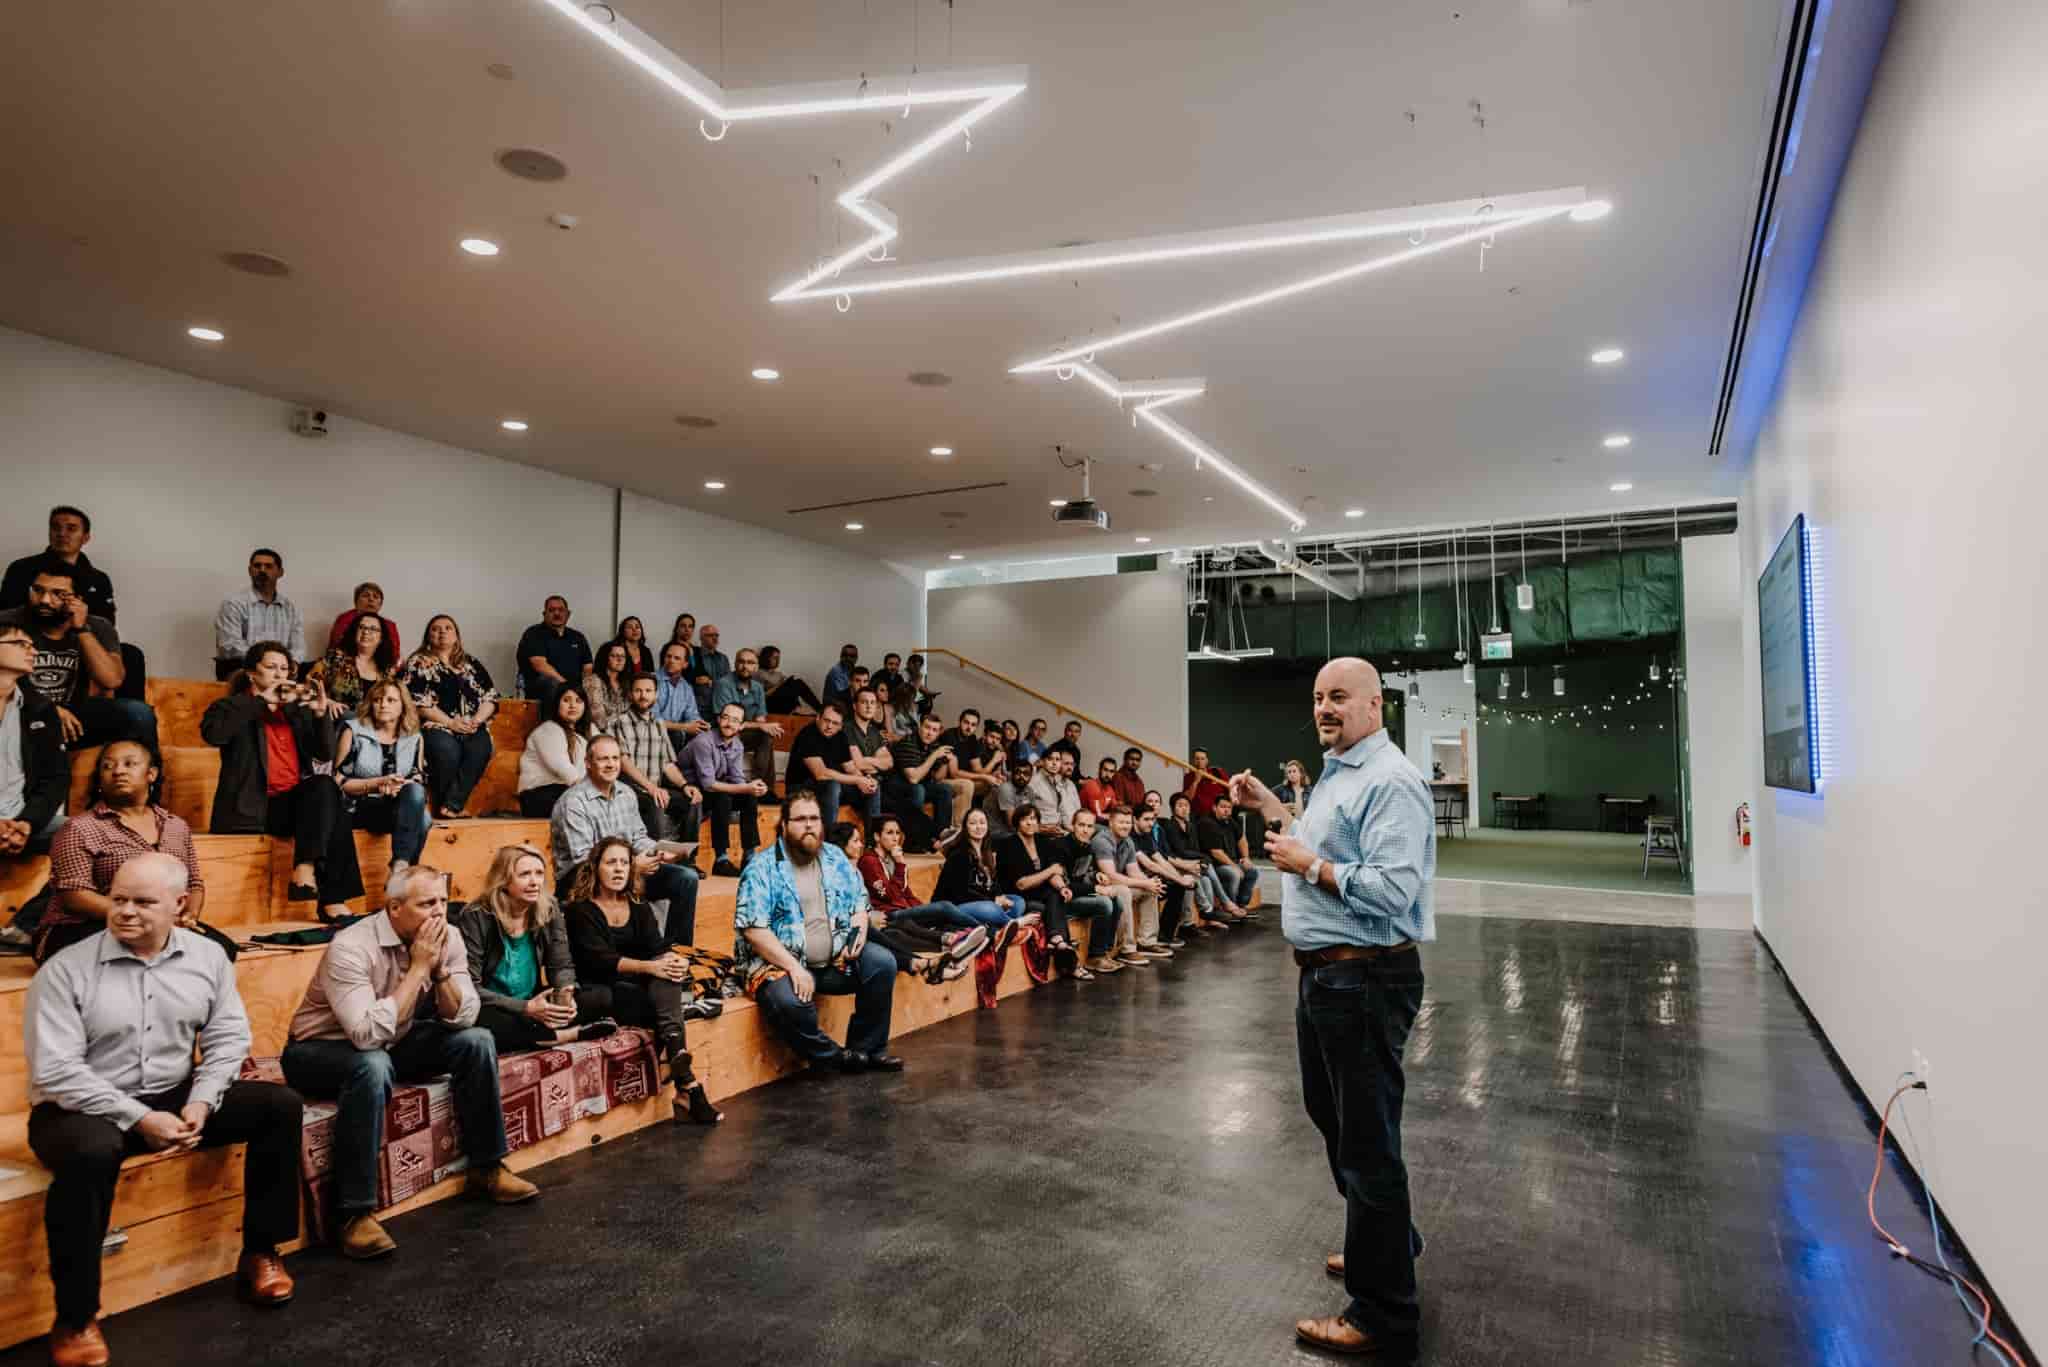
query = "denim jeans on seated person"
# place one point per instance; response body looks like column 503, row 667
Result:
column 676, row 884
column 403, row 818
column 872, row 984
column 995, row 913
column 107, row 720
column 362, row 1081
column 1237, row 882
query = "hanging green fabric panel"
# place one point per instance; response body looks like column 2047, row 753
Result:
column 1314, row 639
column 1624, row 597
column 1384, row 630
column 1545, row 626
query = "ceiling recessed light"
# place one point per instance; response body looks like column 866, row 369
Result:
column 1142, row 540
column 1615, row 442
column 479, row 246
column 1592, row 209
column 1621, row 488
column 956, row 557
column 764, row 373
column 1607, row 355
column 1208, row 498
column 206, row 334
column 942, row 450
column 1057, row 502
column 714, row 484
column 1354, row 512
column 513, row 425
column 853, row 526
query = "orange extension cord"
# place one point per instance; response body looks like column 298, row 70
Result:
column 1870, row 1205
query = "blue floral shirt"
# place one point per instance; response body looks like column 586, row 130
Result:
column 768, row 901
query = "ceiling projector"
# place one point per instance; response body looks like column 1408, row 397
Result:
column 1083, row 510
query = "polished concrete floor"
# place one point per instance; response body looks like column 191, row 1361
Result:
column 1567, row 859
column 1627, row 1148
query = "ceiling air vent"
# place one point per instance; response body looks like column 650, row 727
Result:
column 255, row 263
column 529, row 164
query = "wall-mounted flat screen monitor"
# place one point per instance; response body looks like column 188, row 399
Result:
column 1785, row 626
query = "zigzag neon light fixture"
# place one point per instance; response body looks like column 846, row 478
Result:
column 987, row 90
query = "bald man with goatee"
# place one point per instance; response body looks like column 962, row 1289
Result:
column 1356, row 899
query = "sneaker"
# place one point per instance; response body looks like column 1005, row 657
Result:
column 965, row 944
column 1176, row 943
column 945, row 838
column 703, row 1008
column 1132, row 959
column 1155, row 950
column 1104, row 965
column 14, row 940
column 725, row 868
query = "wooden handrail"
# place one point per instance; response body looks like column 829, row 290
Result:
column 1062, row 708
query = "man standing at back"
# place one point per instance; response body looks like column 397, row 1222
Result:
column 260, row 612
column 1357, row 897
column 551, row 653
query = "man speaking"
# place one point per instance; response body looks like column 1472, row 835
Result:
column 1355, row 902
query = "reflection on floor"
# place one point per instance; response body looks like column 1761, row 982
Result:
column 1568, row 859
column 1529, row 901
column 1627, row 1148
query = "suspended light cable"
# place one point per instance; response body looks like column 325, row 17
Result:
column 1525, row 594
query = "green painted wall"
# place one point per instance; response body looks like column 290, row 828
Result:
column 1556, row 747
column 1257, row 713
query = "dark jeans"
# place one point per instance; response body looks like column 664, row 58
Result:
column 678, row 822
column 515, row 1032
column 720, row 809
column 110, row 719
column 84, row 1154
column 872, row 984
column 1351, row 1023
column 362, row 1080
column 657, row 1004
column 1101, row 914
column 759, row 748
column 539, row 803
column 789, row 693
column 404, row 818
column 454, row 764
column 676, row 884
column 1237, row 882
column 1172, row 910
column 313, row 815
column 905, row 801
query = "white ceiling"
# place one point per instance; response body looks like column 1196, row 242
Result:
column 355, row 140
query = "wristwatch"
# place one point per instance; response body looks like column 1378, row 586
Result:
column 1315, row 870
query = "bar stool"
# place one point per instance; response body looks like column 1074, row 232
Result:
column 1661, row 841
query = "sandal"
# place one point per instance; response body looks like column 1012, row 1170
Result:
column 699, row 1111
column 1081, row 974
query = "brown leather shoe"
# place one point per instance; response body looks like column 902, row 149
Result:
column 1335, row 1334
column 1334, row 1265
column 499, row 1183
column 78, row 1347
column 263, row 1280
column 363, row 1238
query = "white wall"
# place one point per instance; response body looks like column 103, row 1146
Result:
column 1113, row 646
column 183, row 478
column 761, row 588
column 1720, row 766
column 1449, row 705
column 1905, row 902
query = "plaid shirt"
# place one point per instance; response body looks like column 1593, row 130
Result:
column 1371, row 819
column 583, row 816
column 645, row 742
column 90, row 850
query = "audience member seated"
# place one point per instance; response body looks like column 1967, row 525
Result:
column 393, row 1002
column 675, row 697
column 787, row 694
column 707, row 665
column 668, row 800
column 1128, row 782
column 1111, row 954
column 870, row 744
column 1204, row 781
column 839, row 678
column 916, row 775
column 1175, row 886
column 1120, row 876
column 35, row 776
column 555, row 755
column 715, row 763
column 600, row 805
column 802, row 920
column 1033, row 865
column 456, row 700
column 70, row 532
column 606, row 685
column 1155, row 803
column 920, row 950
column 632, row 634
column 517, row 943
column 551, row 652
column 367, row 652
column 1098, row 794
column 378, row 764
column 122, row 821
column 1052, row 791
column 367, row 598
column 1221, row 840
column 1069, row 744
column 903, row 713
column 109, row 1028
column 684, row 633
column 968, row 878
column 889, row 677
column 913, row 674
column 1012, row 738
column 78, row 664
column 1294, row 789
column 1214, row 905
column 757, row 734
column 1031, row 745
column 1012, row 793
column 974, row 762
column 621, row 953
column 276, row 776
column 821, row 759
column 258, row 613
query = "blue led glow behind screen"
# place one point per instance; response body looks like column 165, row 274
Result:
column 1784, row 599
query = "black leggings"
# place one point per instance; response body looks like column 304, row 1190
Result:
column 655, row 1003
column 788, row 694
column 906, row 941
column 314, row 816
column 539, row 803
column 515, row 1032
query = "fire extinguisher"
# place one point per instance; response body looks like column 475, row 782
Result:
column 1742, row 824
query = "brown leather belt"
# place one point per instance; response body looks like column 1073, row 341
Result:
column 1309, row 958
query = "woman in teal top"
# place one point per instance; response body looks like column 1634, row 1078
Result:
column 519, row 960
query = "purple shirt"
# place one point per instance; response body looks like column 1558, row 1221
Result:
column 710, row 758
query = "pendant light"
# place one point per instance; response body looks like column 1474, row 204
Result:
column 1503, row 685
column 1655, row 673
column 1492, row 584
column 1458, row 593
column 1525, row 681
column 1557, row 681
column 1471, row 672
column 1525, row 592
column 1421, row 638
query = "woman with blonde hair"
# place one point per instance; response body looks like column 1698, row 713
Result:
column 454, row 695
column 619, row 948
column 378, row 764
column 519, row 960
